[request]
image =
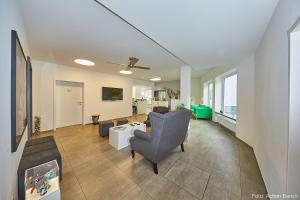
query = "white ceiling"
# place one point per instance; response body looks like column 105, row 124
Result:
column 60, row 31
column 202, row 33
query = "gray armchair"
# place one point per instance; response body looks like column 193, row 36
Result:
column 168, row 132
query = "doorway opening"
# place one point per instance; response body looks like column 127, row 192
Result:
column 141, row 99
column 68, row 103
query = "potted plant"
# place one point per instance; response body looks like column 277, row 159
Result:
column 180, row 106
column 95, row 119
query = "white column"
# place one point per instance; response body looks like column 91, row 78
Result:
column 185, row 86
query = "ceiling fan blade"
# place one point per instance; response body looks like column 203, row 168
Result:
column 133, row 61
column 116, row 63
column 140, row 67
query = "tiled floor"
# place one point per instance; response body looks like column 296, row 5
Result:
column 214, row 166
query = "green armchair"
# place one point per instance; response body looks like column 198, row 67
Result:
column 201, row 111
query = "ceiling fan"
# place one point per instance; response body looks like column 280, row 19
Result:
column 131, row 65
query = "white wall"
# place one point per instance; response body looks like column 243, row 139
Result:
column 245, row 101
column 174, row 85
column 10, row 18
column 272, row 97
column 226, row 122
column 196, row 90
column 143, row 83
column 293, row 184
column 44, row 75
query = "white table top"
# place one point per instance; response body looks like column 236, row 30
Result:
column 125, row 126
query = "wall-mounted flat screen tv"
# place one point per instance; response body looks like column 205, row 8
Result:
column 112, row 94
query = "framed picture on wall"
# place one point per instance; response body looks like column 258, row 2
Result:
column 18, row 91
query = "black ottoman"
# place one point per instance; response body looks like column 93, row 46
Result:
column 122, row 121
column 147, row 122
column 104, row 128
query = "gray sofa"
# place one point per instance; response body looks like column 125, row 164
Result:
column 168, row 132
column 157, row 109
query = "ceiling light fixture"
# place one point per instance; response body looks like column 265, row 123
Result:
column 155, row 78
column 126, row 71
column 84, row 62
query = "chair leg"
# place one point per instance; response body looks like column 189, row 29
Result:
column 182, row 147
column 132, row 153
column 155, row 168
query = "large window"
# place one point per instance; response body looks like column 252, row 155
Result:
column 208, row 93
column 230, row 96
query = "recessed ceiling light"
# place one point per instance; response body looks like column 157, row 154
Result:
column 126, row 71
column 84, row 62
column 155, row 78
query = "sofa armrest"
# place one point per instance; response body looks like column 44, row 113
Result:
column 142, row 135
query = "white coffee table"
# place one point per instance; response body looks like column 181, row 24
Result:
column 119, row 136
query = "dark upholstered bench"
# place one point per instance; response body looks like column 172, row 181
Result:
column 104, row 128
column 39, row 141
column 122, row 121
column 37, row 152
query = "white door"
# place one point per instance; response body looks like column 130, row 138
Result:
column 68, row 103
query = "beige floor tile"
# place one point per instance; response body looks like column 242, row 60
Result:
column 160, row 188
column 215, row 193
column 137, row 194
column 215, row 165
column 139, row 170
column 73, row 195
column 111, row 185
column 188, row 177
